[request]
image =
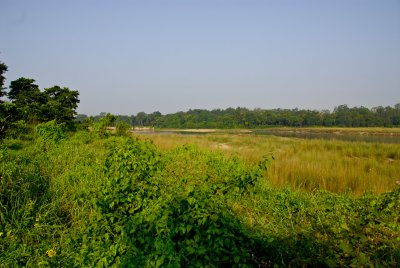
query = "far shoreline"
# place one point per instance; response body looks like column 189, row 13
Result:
column 379, row 131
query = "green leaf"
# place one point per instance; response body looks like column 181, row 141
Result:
column 346, row 248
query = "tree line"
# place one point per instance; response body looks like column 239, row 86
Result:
column 27, row 105
column 341, row 116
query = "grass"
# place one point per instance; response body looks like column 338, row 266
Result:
column 336, row 166
column 201, row 200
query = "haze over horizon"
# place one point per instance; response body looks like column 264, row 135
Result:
column 125, row 57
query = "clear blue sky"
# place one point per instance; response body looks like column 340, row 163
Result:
column 171, row 55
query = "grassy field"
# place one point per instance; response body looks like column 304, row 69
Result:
column 337, row 166
column 216, row 200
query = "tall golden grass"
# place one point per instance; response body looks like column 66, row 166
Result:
column 307, row 165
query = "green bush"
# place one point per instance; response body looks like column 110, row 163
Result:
column 149, row 219
column 122, row 128
column 19, row 129
column 50, row 134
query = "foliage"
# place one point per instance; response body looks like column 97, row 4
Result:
column 3, row 69
column 49, row 134
column 61, row 104
column 153, row 220
column 19, row 129
column 30, row 106
column 24, row 200
column 341, row 116
column 8, row 116
column 23, row 91
column 54, row 103
column 120, row 201
column 102, row 126
column 122, row 128
column 109, row 119
column 43, row 199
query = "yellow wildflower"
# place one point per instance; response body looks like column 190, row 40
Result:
column 51, row 253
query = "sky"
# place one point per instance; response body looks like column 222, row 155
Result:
column 126, row 57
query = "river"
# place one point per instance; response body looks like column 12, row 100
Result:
column 345, row 136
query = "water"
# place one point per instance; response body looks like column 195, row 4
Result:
column 330, row 136
column 297, row 134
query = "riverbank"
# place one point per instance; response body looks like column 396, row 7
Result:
column 379, row 135
column 333, row 130
column 339, row 131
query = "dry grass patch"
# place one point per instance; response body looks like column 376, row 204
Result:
column 337, row 166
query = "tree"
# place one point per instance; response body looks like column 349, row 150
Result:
column 3, row 69
column 60, row 105
column 109, row 119
column 122, row 128
column 29, row 100
column 23, row 91
column 8, row 116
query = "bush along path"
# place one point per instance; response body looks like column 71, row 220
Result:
column 88, row 201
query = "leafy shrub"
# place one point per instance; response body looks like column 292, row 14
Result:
column 50, row 134
column 100, row 129
column 122, row 128
column 150, row 219
column 19, row 129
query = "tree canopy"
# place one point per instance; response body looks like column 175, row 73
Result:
column 61, row 104
column 29, row 105
column 3, row 69
column 55, row 103
column 341, row 116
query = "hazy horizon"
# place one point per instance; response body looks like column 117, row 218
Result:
column 125, row 57
column 103, row 113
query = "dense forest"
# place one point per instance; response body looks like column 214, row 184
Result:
column 341, row 116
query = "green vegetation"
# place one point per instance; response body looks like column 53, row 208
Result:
column 3, row 69
column 28, row 106
column 83, row 200
column 341, row 116
column 306, row 165
column 101, row 198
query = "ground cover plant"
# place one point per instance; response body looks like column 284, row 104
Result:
column 88, row 199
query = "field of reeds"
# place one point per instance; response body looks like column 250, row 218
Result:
column 303, row 164
column 97, row 199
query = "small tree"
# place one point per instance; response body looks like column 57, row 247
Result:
column 109, row 120
column 122, row 128
column 3, row 69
